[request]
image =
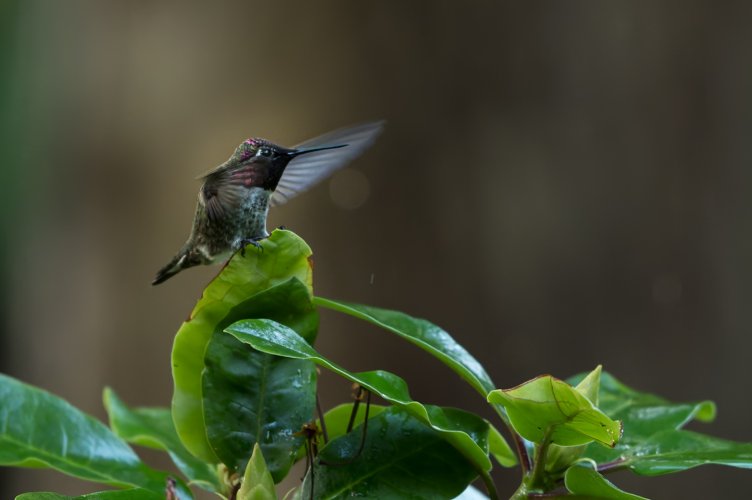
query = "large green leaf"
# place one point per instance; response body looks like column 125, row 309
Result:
column 467, row 432
column 425, row 335
column 644, row 414
column 654, row 442
column 583, row 480
column 38, row 429
column 401, row 458
column 547, row 408
column 252, row 397
column 285, row 256
column 257, row 481
column 129, row 494
column 429, row 337
column 153, row 428
column 675, row 451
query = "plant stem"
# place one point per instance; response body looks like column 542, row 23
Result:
column 535, row 479
column 519, row 442
column 522, row 453
column 614, row 465
column 490, row 486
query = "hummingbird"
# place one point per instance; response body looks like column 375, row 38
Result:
column 235, row 197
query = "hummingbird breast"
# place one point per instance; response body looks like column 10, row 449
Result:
column 252, row 220
column 218, row 238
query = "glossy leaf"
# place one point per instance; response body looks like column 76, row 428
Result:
column 401, row 458
column 257, row 481
column 467, row 432
column 285, row 256
column 645, row 414
column 548, row 408
column 583, row 480
column 129, row 494
column 425, row 335
column 153, row 428
column 252, row 397
column 675, row 451
column 653, row 442
column 38, row 429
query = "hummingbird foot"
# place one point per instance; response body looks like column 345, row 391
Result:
column 250, row 241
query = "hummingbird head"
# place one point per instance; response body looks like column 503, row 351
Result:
column 256, row 147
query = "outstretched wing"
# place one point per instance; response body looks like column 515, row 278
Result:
column 309, row 169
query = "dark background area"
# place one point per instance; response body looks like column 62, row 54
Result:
column 560, row 184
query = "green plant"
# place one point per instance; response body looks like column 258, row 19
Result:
column 244, row 408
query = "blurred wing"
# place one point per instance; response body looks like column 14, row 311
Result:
column 309, row 169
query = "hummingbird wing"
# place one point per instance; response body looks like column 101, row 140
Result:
column 224, row 188
column 309, row 169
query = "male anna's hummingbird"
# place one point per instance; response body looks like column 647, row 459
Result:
column 234, row 200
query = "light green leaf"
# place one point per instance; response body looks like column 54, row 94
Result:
column 338, row 417
column 257, row 481
column 153, row 428
column 500, row 449
column 583, row 480
column 559, row 458
column 548, row 408
column 38, row 429
column 466, row 432
column 590, row 385
column 285, row 256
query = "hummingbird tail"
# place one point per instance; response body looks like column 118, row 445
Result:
column 181, row 261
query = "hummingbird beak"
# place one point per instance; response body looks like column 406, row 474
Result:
column 301, row 151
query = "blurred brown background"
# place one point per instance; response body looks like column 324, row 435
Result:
column 561, row 184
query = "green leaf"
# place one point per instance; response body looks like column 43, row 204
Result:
column 129, row 494
column 153, row 428
column 583, row 480
column 644, row 414
column 678, row 450
column 338, row 418
column 38, row 429
column 590, row 385
column 252, row 397
column 423, row 334
column 401, row 458
column 429, row 337
column 257, row 481
column 285, row 256
column 500, row 449
column 547, row 408
column 467, row 432
column 559, row 458
column 653, row 442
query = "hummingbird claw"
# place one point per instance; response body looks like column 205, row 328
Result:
column 250, row 241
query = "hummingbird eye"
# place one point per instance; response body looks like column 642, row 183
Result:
column 264, row 152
